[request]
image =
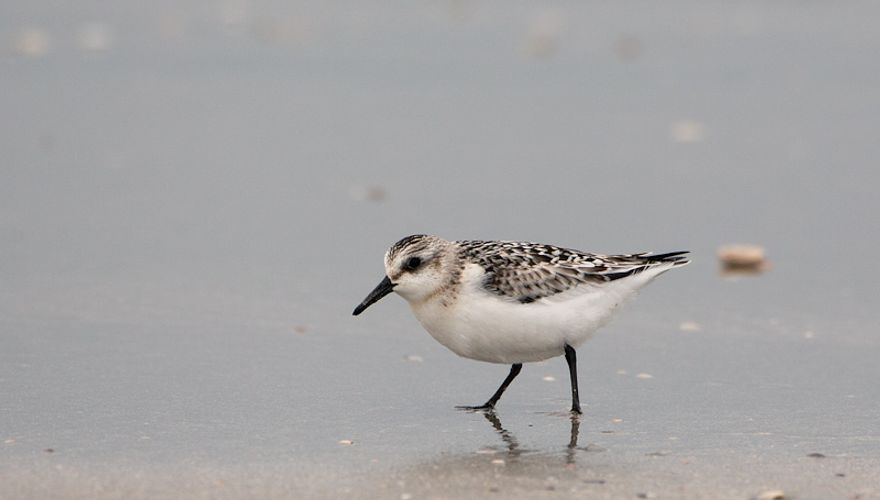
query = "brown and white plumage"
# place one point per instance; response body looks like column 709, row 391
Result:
column 513, row 302
column 505, row 301
column 530, row 271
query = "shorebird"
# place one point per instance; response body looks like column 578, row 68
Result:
column 513, row 302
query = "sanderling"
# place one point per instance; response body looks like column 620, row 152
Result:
column 513, row 302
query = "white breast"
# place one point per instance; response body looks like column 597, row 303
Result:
column 486, row 327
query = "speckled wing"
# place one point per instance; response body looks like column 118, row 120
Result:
column 530, row 271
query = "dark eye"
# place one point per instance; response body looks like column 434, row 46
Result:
column 412, row 263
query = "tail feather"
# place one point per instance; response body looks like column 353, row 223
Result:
column 678, row 258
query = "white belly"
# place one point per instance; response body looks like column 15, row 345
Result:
column 485, row 327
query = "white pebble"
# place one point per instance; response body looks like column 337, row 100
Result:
column 549, row 378
column 771, row 495
column 94, row 37
column 644, row 376
column 498, row 461
column 414, row 358
column 689, row 326
column 346, row 442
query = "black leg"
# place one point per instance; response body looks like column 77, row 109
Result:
column 514, row 371
column 571, row 358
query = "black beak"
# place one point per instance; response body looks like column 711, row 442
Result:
column 384, row 288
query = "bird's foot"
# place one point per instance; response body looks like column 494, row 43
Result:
column 483, row 407
column 576, row 410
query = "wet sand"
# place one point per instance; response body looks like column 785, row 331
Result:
column 195, row 198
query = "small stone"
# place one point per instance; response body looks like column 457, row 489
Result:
column 415, row 358
column 486, row 451
column 616, row 420
column 644, row 376
column 689, row 326
column 627, row 48
column 346, row 442
column 686, row 131
column 497, row 461
column 368, row 193
column 646, row 495
column 32, row 42
column 657, row 454
column 543, row 36
column 840, row 474
column 49, row 450
column 406, row 496
column 376, row 193
column 816, row 455
column 771, row 495
column 549, row 378
column 594, row 481
column 300, row 329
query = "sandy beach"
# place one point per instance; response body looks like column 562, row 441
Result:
column 195, row 197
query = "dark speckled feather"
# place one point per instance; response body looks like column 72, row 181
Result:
column 530, row 271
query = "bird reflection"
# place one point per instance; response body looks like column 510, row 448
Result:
column 506, row 436
column 513, row 447
column 573, row 439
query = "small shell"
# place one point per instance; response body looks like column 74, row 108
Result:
column 742, row 259
column 771, row 495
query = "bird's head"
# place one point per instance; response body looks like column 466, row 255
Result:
column 414, row 268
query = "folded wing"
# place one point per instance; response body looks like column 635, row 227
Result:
column 527, row 272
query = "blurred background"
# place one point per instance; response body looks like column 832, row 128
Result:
column 195, row 195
